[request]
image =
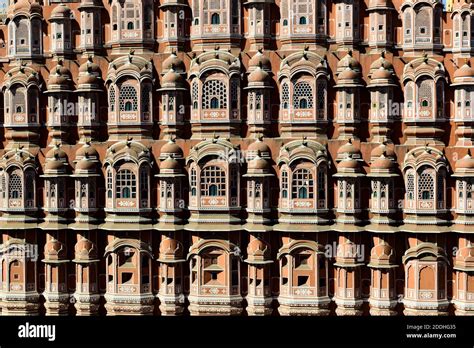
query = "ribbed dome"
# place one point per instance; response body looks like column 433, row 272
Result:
column 87, row 151
column 170, row 248
column 26, row 6
column 56, row 153
column 259, row 146
column 467, row 162
column 382, row 149
column 348, row 149
column 54, row 250
column 381, row 63
column 348, row 75
column 170, row 164
column 173, row 62
column 348, row 163
column 258, row 75
column 382, row 163
column 60, row 77
column 89, row 66
column 258, row 163
column 260, row 60
column 172, row 78
column 61, row 11
column 381, row 73
column 258, row 247
column 56, row 161
column 382, row 251
column 85, row 165
column 85, row 249
column 348, row 62
column 466, row 71
column 171, row 149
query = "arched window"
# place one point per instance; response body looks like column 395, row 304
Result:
column 214, row 103
column 146, row 99
column 213, row 182
column 193, row 182
column 214, row 89
column 125, row 184
column 302, row 20
column 303, row 91
column 15, row 185
column 410, row 186
column 128, row 98
column 302, row 184
column 215, row 19
column 303, row 103
column 112, row 98
column 284, row 184
column 425, row 91
column 285, row 95
column 19, row 99
column 426, row 185
column 109, row 183
column 285, row 22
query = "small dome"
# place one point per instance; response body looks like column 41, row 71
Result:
column 382, row 163
column 170, row 164
column 258, row 75
column 56, row 153
column 466, row 71
column 87, row 151
column 26, row 6
column 172, row 78
column 466, row 253
column 467, row 162
column 54, row 250
column 86, row 165
column 348, row 149
column 381, row 63
column 56, row 160
column 381, row 74
column 60, row 76
column 382, row 251
column 170, row 249
column 383, row 149
column 348, row 163
column 348, row 62
column 89, row 66
column 171, row 149
column 54, row 165
column 258, row 163
column 259, row 146
column 88, row 80
column 258, row 247
column 173, row 62
column 61, row 11
column 348, row 75
column 85, row 249
column 260, row 60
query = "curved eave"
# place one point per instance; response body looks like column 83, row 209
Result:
column 171, row 89
column 348, row 175
column 173, row 4
column 169, row 175
column 382, row 175
column 373, row 85
column 263, row 262
column 263, row 175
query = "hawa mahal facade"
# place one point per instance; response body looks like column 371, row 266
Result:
column 229, row 157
